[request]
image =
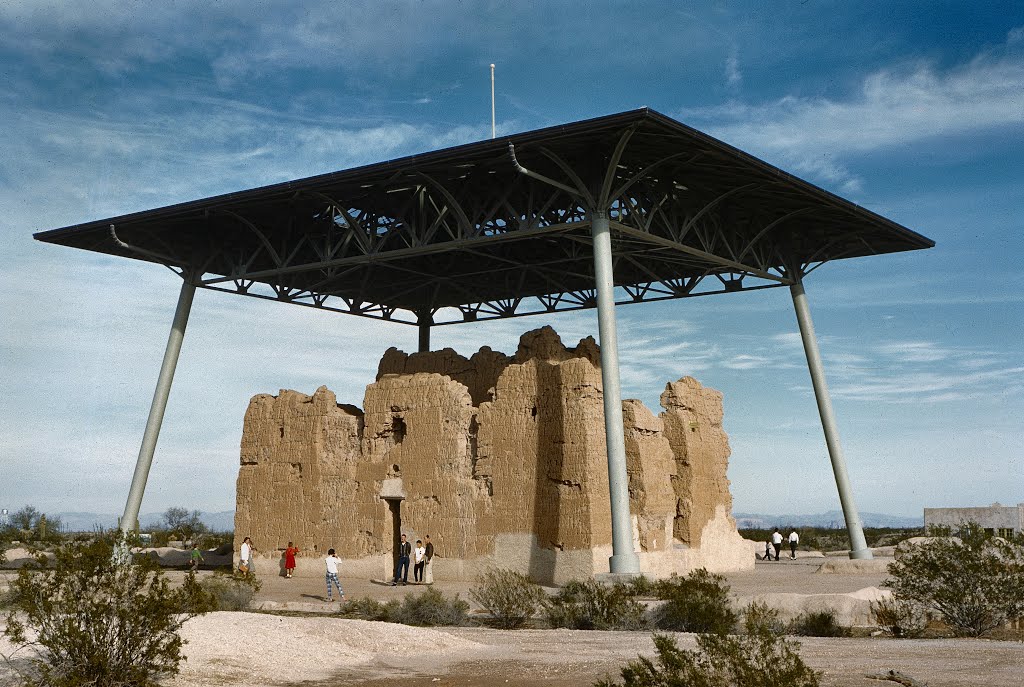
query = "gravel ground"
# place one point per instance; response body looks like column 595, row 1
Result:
column 264, row 649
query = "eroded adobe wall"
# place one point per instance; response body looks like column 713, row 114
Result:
column 501, row 459
column 652, row 468
column 300, row 455
column 540, row 445
column 479, row 373
column 417, row 427
column 693, row 426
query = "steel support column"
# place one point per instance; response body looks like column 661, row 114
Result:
column 423, row 322
column 624, row 558
column 130, row 519
column 858, row 546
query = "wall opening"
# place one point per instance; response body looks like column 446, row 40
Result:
column 395, row 506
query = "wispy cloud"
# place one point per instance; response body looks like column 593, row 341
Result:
column 893, row 107
column 733, row 76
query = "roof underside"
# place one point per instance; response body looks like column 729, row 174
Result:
column 466, row 233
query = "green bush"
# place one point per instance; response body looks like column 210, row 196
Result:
column 900, row 617
column 757, row 658
column 974, row 582
column 429, row 609
column 510, row 597
column 100, row 619
column 698, row 602
column 642, row 586
column 231, row 592
column 432, row 608
column 818, row 624
column 370, row 609
column 759, row 615
column 590, row 605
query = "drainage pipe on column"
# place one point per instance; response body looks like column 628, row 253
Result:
column 624, row 558
column 130, row 519
column 858, row 546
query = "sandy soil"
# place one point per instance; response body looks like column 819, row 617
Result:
column 265, row 649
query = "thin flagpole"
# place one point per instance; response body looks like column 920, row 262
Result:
column 492, row 101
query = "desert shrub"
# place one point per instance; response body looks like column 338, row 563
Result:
column 510, row 597
column 590, row 605
column 100, row 619
column 31, row 526
column 759, row 615
column 223, row 542
column 642, row 586
column 231, row 592
column 370, row 609
column 900, row 617
column 974, row 582
column 757, row 658
column 698, row 602
column 431, row 608
column 818, row 624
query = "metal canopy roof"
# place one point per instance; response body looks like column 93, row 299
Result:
column 501, row 228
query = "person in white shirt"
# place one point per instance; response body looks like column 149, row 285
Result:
column 332, row 562
column 777, row 542
column 794, row 539
column 245, row 556
column 420, row 553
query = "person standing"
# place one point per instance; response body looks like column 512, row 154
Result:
column 245, row 552
column 420, row 553
column 767, row 550
column 289, row 559
column 331, row 576
column 402, row 565
column 428, row 577
column 794, row 539
column 196, row 558
column 777, row 542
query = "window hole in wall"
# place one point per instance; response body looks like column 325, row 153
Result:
column 398, row 428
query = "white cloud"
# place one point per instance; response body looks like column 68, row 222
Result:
column 894, row 107
column 733, row 76
column 745, row 362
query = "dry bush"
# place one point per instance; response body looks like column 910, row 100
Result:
column 900, row 617
column 231, row 592
column 510, row 597
column 590, row 605
column 758, row 614
column 974, row 582
column 757, row 658
column 818, row 624
column 92, row 616
column 431, row 608
column 698, row 602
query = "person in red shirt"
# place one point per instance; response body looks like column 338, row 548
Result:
column 289, row 559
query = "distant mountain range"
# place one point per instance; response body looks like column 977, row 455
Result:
column 222, row 521
column 832, row 518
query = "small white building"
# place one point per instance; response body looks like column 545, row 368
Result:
column 997, row 519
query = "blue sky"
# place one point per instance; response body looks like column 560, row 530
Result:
column 912, row 109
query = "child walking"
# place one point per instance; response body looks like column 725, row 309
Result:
column 332, row 575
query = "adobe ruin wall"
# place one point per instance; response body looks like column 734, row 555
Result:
column 500, row 459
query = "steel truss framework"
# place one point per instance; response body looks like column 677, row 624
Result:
column 540, row 222
column 503, row 228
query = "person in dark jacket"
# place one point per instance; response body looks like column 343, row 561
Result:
column 402, row 566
